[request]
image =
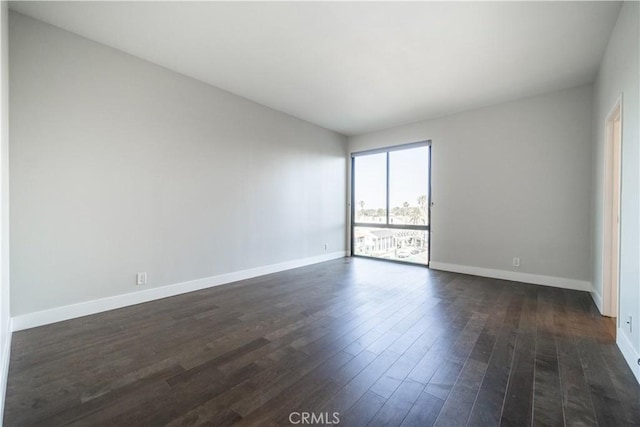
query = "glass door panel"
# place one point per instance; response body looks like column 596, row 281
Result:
column 409, row 186
column 370, row 188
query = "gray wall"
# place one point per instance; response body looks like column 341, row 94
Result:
column 5, row 333
column 618, row 75
column 120, row 166
column 509, row 180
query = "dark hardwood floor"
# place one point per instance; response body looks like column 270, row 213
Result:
column 379, row 343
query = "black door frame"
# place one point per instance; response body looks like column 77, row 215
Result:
column 426, row 228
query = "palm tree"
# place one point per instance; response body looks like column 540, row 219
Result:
column 416, row 216
column 361, row 203
column 422, row 201
column 422, row 204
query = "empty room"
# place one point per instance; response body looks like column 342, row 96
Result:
column 319, row 213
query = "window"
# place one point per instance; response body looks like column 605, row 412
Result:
column 390, row 203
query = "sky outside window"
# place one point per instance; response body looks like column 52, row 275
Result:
column 408, row 182
column 370, row 189
column 409, row 185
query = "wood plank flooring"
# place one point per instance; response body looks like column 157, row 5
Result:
column 381, row 344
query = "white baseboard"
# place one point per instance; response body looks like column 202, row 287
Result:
column 631, row 356
column 58, row 314
column 597, row 299
column 536, row 279
column 4, row 367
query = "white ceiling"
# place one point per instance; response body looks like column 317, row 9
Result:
column 356, row 67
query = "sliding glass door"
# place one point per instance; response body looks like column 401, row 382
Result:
column 390, row 201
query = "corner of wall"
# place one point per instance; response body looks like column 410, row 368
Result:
column 596, row 296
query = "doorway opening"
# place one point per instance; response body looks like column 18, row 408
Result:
column 391, row 203
column 612, row 191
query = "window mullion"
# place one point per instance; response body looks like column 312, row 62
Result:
column 387, row 188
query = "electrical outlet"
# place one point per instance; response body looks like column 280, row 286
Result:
column 516, row 262
column 141, row 278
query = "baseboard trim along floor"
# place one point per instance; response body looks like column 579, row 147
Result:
column 58, row 314
column 536, row 279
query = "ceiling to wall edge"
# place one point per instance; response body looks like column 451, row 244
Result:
column 505, row 101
